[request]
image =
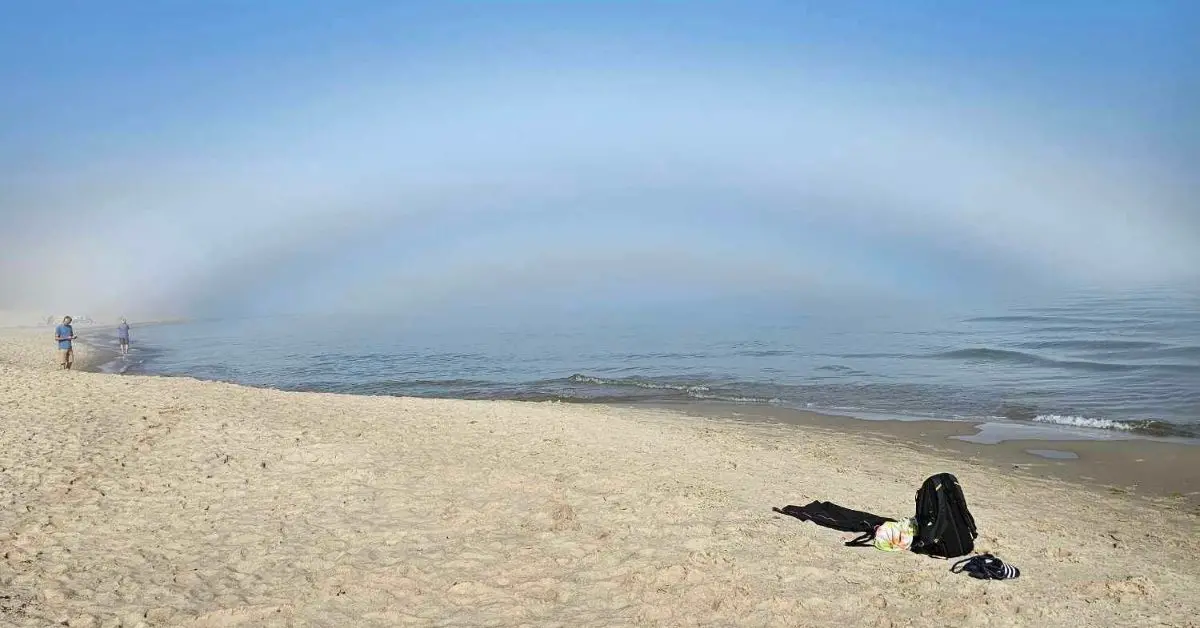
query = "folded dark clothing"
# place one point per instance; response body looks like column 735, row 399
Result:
column 831, row 515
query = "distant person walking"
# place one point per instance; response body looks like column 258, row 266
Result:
column 123, row 336
column 64, row 334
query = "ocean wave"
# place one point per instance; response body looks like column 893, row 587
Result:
column 836, row 372
column 636, row 383
column 1011, row 319
column 1186, row 351
column 1056, row 319
column 698, row 392
column 1092, row 345
column 987, row 354
column 868, row 355
column 1147, row 427
column 835, row 368
column 738, row 399
column 1083, row 421
column 763, row 353
column 1123, row 349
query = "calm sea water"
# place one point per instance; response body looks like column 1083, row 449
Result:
column 1130, row 364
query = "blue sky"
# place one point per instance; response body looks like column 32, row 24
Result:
column 243, row 157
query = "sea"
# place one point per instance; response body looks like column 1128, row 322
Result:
column 1091, row 362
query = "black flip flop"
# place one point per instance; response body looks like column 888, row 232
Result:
column 986, row 567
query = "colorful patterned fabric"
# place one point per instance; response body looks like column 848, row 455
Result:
column 894, row 536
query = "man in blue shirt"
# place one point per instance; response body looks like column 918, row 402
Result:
column 123, row 336
column 64, row 334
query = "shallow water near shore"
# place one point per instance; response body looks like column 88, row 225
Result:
column 1106, row 461
column 1087, row 365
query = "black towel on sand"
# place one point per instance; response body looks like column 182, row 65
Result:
column 831, row 515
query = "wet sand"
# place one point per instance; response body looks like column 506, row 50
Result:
column 145, row 501
column 1160, row 470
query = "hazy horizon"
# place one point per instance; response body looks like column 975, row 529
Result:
column 223, row 159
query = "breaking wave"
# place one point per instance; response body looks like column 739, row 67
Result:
column 1148, row 427
column 637, row 383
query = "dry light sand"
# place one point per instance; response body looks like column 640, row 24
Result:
column 131, row 501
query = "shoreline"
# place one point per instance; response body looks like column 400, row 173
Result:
column 1044, row 424
column 1154, row 469
column 156, row 501
column 1165, row 469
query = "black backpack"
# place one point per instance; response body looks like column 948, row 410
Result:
column 945, row 527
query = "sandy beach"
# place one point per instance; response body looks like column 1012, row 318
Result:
column 142, row 501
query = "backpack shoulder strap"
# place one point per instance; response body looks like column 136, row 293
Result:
column 956, row 496
column 862, row 540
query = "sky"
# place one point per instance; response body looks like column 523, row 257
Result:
column 224, row 157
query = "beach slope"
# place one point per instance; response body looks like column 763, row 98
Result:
column 167, row 501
